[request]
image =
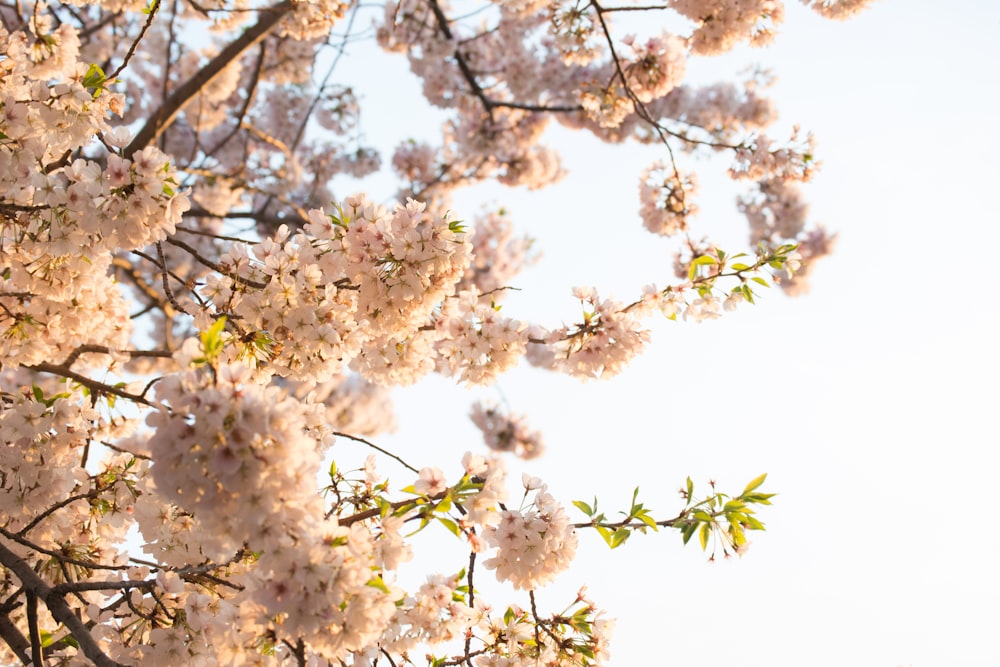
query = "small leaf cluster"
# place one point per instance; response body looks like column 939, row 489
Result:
column 725, row 517
column 638, row 518
column 94, row 79
column 212, row 342
column 704, row 270
column 437, row 507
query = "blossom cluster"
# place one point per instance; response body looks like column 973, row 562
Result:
column 666, row 199
column 609, row 336
column 533, row 544
column 354, row 283
column 504, row 432
column 62, row 219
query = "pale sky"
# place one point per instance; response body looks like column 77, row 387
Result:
column 870, row 402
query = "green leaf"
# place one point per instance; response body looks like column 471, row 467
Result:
column 604, row 533
column 444, row 505
column 733, row 505
column 739, row 267
column 690, row 490
column 760, row 281
column 94, row 79
column 450, row 525
column 703, row 533
column 583, row 507
column 739, row 537
column 759, row 498
column 754, row 483
column 648, row 520
column 688, row 531
column 211, row 339
column 619, row 537
column 376, row 582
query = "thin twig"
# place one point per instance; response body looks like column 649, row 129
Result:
column 153, row 8
column 212, row 265
column 376, row 448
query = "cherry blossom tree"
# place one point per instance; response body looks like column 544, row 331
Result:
column 190, row 317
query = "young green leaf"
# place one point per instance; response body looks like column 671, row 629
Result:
column 754, row 483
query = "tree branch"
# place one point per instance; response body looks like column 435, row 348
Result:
column 181, row 96
column 212, row 265
column 376, row 448
column 17, row 642
column 95, row 386
column 154, row 7
column 57, row 606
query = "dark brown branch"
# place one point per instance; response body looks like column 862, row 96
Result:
column 460, row 659
column 57, row 555
column 387, row 657
column 17, row 642
column 153, row 8
column 93, row 493
column 102, row 349
column 140, row 283
column 264, row 218
column 77, row 586
column 221, row 237
column 638, row 8
column 57, row 606
column 171, row 107
column 31, row 602
column 463, row 66
column 212, row 265
column 472, row 604
column 376, row 511
column 90, row 29
column 166, row 280
column 94, row 386
column 181, row 281
column 251, row 91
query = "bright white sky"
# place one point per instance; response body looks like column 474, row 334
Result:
column 871, row 402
